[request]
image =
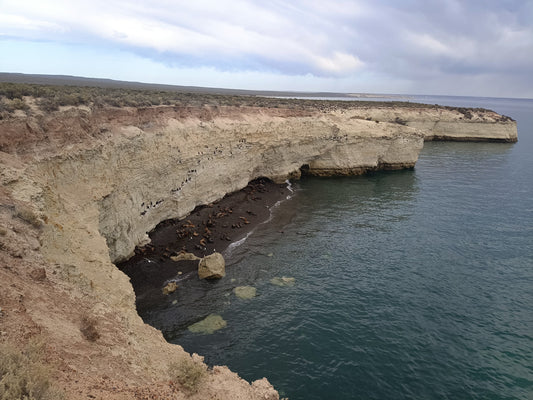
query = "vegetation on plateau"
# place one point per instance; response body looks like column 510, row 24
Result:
column 49, row 98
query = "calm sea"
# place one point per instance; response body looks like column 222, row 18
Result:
column 408, row 285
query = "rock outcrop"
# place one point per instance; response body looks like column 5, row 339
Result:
column 170, row 287
column 212, row 266
column 80, row 189
column 447, row 123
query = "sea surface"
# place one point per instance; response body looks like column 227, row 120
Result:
column 412, row 284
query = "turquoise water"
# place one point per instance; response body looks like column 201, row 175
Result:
column 409, row 285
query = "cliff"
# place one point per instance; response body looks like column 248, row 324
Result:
column 447, row 123
column 82, row 187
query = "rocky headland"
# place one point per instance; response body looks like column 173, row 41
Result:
column 82, row 186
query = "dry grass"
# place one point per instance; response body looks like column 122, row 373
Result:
column 188, row 374
column 50, row 97
column 24, row 375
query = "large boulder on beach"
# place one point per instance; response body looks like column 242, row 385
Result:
column 212, row 266
column 170, row 288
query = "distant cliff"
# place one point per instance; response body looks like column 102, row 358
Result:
column 95, row 181
column 447, row 123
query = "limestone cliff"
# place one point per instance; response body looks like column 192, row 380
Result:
column 132, row 168
column 96, row 181
column 447, row 123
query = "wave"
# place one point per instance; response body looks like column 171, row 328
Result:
column 231, row 248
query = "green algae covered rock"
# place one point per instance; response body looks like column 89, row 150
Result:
column 283, row 281
column 208, row 325
column 245, row 292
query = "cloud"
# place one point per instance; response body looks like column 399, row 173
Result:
column 12, row 24
column 413, row 42
column 279, row 37
column 338, row 63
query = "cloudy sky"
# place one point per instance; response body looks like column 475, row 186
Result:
column 453, row 47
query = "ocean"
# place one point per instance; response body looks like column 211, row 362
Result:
column 414, row 284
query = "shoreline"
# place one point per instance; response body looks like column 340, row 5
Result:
column 219, row 226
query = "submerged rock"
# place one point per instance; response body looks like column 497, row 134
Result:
column 208, row 325
column 212, row 267
column 283, row 281
column 245, row 292
column 170, row 288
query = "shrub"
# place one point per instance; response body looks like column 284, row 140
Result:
column 19, row 104
column 6, row 106
column 465, row 111
column 65, row 99
column 400, row 121
column 48, row 104
column 188, row 373
column 24, row 375
column 88, row 329
column 14, row 90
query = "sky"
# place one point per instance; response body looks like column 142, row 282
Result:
column 452, row 47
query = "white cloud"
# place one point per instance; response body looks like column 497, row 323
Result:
column 339, row 63
column 209, row 30
column 11, row 24
column 416, row 41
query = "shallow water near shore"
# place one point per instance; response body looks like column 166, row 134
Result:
column 410, row 284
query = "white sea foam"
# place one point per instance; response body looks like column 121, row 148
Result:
column 229, row 250
column 289, row 186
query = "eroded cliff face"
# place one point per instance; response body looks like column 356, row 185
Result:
column 447, row 123
column 178, row 165
column 140, row 168
column 98, row 181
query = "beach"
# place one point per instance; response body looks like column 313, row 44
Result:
column 209, row 228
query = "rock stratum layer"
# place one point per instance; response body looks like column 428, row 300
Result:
column 81, row 188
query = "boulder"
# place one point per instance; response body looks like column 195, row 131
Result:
column 170, row 288
column 212, row 267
